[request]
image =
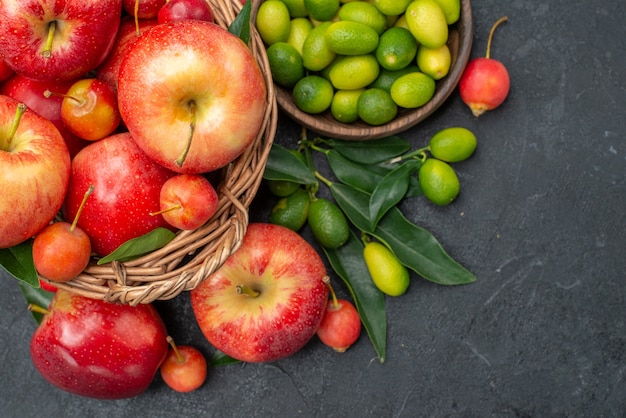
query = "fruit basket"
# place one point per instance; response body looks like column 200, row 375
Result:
column 193, row 255
column 460, row 45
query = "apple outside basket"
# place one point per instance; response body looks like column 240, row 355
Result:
column 192, row 256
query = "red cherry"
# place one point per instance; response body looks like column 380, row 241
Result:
column 184, row 369
column 185, row 9
column 341, row 324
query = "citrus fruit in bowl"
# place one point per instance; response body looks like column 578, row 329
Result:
column 364, row 47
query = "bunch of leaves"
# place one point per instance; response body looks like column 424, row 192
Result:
column 369, row 181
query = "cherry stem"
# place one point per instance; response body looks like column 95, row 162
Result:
column 47, row 51
column 326, row 281
column 161, row 212
column 192, row 127
column 49, row 93
column 179, row 357
column 493, row 29
column 80, row 208
column 38, row 309
column 21, row 108
column 242, row 289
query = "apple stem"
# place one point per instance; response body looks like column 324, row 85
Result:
column 21, row 108
column 49, row 93
column 160, row 212
column 38, row 309
column 179, row 356
column 136, row 11
column 47, row 51
column 493, row 29
column 192, row 127
column 326, row 280
column 242, row 289
column 80, row 208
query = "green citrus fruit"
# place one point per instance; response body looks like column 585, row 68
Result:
column 427, row 23
column 391, row 7
column 386, row 77
column 412, row 90
column 453, row 144
column 273, row 21
column 351, row 38
column 388, row 274
column 285, row 64
column 438, row 181
column 396, row 48
column 328, row 223
column 435, row 63
column 451, row 10
column 352, row 72
column 322, row 10
column 291, row 211
column 315, row 52
column 376, row 107
column 363, row 12
column 344, row 105
column 313, row 94
column 296, row 8
column 282, row 188
column 300, row 29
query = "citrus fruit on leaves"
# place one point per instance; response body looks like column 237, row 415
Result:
column 434, row 62
column 273, row 21
column 285, row 64
column 388, row 274
column 376, row 107
column 396, row 48
column 282, row 188
column 313, row 94
column 353, row 71
column 427, row 23
column 291, row 211
column 344, row 105
column 438, row 181
column 412, row 90
column 322, row 10
column 351, row 38
column 328, row 223
column 453, row 144
column 363, row 12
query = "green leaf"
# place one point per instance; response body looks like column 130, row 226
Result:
column 18, row 262
column 139, row 246
column 420, row 251
column 220, row 359
column 283, row 164
column 241, row 25
column 347, row 261
column 359, row 176
column 39, row 297
column 354, row 204
column 372, row 151
column 391, row 190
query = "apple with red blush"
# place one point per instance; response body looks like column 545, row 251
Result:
column 143, row 9
column 192, row 95
column 341, row 325
column 35, row 172
column 127, row 187
column 5, row 71
column 97, row 349
column 185, row 9
column 187, row 201
column 267, row 300
column 54, row 40
column 184, row 368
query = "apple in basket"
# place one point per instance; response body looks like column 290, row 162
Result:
column 34, row 173
column 192, row 95
column 267, row 300
column 57, row 39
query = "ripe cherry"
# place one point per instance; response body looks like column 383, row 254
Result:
column 185, row 368
column 341, row 324
column 485, row 82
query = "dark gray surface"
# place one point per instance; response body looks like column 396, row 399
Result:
column 540, row 220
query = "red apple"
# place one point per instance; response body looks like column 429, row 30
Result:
column 268, row 298
column 5, row 71
column 109, row 70
column 35, row 168
column 185, row 368
column 143, row 9
column 31, row 93
column 56, row 40
column 187, row 201
column 485, row 82
column 98, row 349
column 185, row 9
column 126, row 189
column 192, row 95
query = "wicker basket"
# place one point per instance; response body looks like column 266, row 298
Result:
column 193, row 255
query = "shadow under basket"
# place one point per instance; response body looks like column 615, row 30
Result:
column 192, row 256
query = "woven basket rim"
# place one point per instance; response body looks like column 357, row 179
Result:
column 192, row 256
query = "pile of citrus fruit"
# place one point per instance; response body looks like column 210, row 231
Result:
column 362, row 60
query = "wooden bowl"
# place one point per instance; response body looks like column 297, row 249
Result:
column 460, row 43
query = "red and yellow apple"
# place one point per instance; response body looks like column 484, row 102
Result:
column 34, row 174
column 192, row 95
column 268, row 298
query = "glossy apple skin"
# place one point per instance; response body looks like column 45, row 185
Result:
column 147, row 9
column 185, row 9
column 5, row 71
column 341, row 325
column 196, row 197
column 109, row 69
column 126, row 184
column 61, row 253
column 177, row 64
column 31, row 93
column 186, row 374
column 484, row 85
column 81, row 43
column 97, row 349
column 288, row 273
column 34, row 174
